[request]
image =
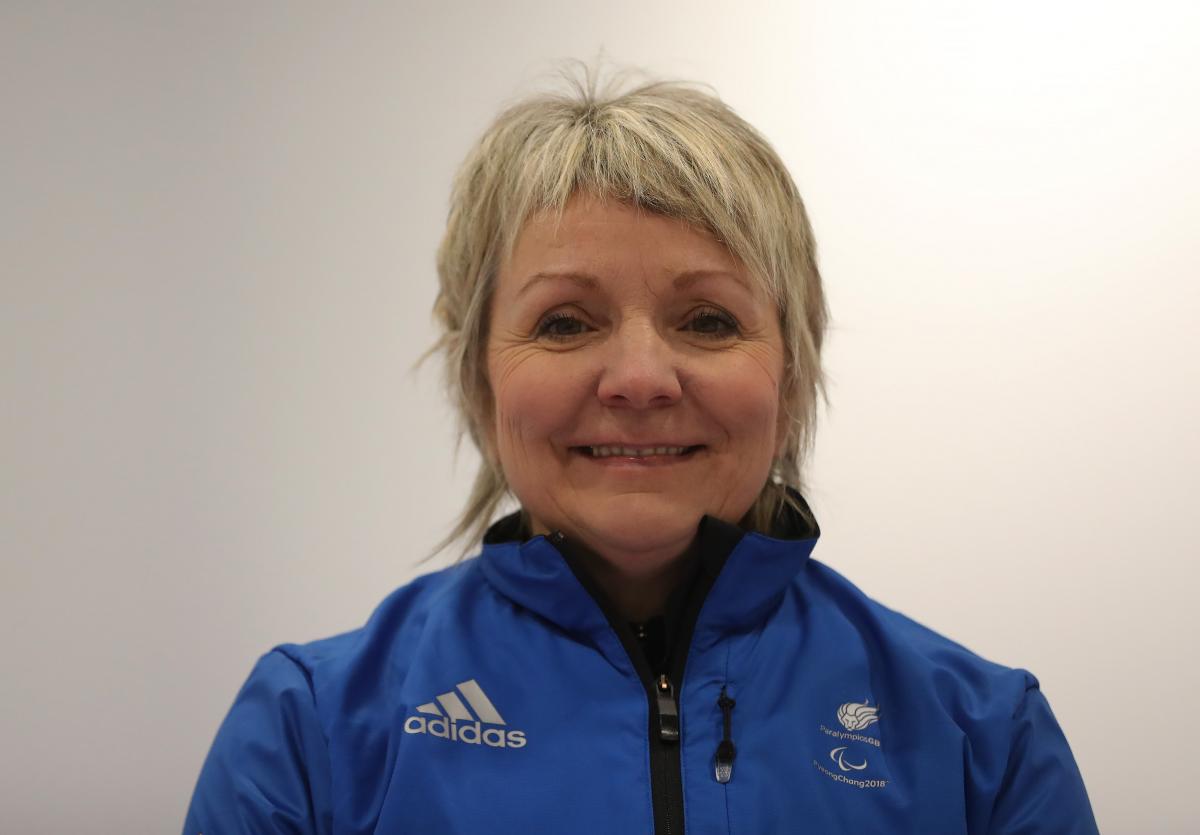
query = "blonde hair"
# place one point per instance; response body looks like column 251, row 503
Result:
column 670, row 148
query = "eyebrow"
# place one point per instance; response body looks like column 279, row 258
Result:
column 587, row 281
column 687, row 279
column 583, row 280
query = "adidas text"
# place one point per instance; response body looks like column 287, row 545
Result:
column 472, row 733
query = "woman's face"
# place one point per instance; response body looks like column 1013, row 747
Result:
column 635, row 369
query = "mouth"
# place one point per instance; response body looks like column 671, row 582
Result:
column 637, row 453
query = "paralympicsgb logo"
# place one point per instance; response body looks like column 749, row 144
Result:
column 850, row 757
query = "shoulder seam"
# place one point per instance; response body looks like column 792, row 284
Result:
column 304, row 671
column 290, row 655
column 1031, row 684
column 287, row 653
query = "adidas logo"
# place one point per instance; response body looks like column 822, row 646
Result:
column 454, row 722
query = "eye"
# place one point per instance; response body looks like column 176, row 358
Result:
column 560, row 326
column 712, row 323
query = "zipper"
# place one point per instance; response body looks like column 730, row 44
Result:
column 668, row 773
column 666, row 769
column 668, row 710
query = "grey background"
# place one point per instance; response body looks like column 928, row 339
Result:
column 217, row 225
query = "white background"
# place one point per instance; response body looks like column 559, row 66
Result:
column 217, row 227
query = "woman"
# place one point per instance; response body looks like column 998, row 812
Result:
column 632, row 319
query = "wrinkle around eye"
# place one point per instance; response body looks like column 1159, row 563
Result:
column 506, row 359
column 768, row 360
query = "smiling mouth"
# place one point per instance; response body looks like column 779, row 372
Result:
column 636, row 452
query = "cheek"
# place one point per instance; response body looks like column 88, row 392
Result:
column 745, row 399
column 533, row 402
column 753, row 413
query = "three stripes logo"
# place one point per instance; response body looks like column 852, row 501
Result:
column 453, row 721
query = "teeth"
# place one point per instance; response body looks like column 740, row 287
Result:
column 634, row 452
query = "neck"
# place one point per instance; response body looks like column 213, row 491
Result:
column 637, row 596
column 636, row 582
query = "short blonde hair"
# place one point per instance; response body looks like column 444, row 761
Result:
column 670, row 148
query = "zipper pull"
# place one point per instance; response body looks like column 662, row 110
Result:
column 726, row 750
column 668, row 713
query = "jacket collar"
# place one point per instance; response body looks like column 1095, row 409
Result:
column 746, row 572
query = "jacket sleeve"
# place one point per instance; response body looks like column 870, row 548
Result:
column 1042, row 792
column 268, row 768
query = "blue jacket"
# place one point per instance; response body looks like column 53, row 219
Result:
column 501, row 695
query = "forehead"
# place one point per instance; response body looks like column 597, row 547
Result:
column 607, row 239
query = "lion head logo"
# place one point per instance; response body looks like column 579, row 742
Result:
column 855, row 716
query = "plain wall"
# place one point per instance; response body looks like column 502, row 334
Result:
column 217, row 228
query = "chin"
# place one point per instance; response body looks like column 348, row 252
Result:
column 639, row 521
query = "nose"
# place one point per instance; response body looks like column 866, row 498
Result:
column 640, row 369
